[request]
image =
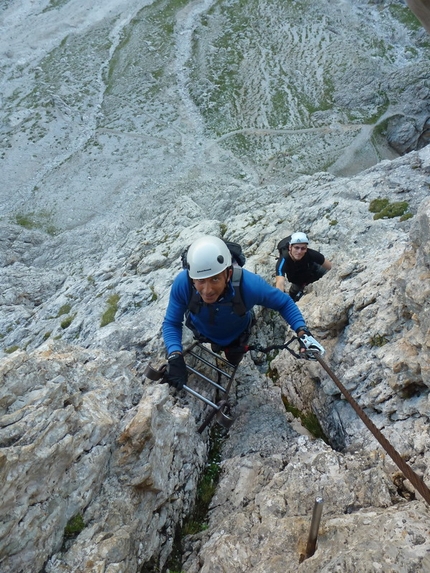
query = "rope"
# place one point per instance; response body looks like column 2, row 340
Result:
column 267, row 349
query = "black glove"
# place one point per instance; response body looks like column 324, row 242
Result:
column 177, row 374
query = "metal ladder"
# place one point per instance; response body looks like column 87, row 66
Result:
column 220, row 368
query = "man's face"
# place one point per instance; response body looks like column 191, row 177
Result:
column 298, row 251
column 211, row 289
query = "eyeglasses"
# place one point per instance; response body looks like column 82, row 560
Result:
column 297, row 248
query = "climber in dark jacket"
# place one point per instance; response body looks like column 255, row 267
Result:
column 300, row 265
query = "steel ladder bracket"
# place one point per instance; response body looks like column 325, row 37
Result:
column 221, row 410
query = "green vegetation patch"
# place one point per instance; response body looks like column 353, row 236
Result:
column 41, row 221
column 11, row 349
column 67, row 321
column 197, row 521
column 307, row 419
column 109, row 314
column 378, row 204
column 65, row 309
column 54, row 5
column 208, row 482
column 154, row 295
column 74, row 526
column 405, row 16
column 383, row 209
column 272, row 373
column 378, row 340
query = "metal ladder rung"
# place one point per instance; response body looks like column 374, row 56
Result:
column 219, row 411
column 203, row 377
column 200, row 397
column 208, row 351
column 213, row 366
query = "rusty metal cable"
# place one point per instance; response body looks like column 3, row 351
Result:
column 409, row 473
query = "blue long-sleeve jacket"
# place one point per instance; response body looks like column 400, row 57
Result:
column 217, row 321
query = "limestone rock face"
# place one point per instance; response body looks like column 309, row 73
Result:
column 76, row 434
column 84, row 433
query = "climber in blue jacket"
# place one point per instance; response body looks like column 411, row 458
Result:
column 217, row 308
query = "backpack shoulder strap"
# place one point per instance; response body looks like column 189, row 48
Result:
column 236, row 280
column 236, row 277
column 195, row 301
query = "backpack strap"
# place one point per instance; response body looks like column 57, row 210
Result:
column 195, row 303
column 237, row 302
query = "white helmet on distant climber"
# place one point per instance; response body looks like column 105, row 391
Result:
column 207, row 257
column 298, row 238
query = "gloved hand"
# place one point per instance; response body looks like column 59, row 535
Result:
column 308, row 344
column 177, row 374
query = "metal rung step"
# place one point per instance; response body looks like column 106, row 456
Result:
column 213, row 366
column 220, row 410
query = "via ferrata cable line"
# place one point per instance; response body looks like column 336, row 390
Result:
column 414, row 478
column 311, row 354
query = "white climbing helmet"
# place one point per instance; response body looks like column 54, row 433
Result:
column 298, row 238
column 207, row 257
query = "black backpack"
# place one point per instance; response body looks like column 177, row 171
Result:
column 195, row 303
column 283, row 247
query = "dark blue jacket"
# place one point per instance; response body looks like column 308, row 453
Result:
column 217, row 321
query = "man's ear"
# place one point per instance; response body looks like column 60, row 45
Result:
column 229, row 273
